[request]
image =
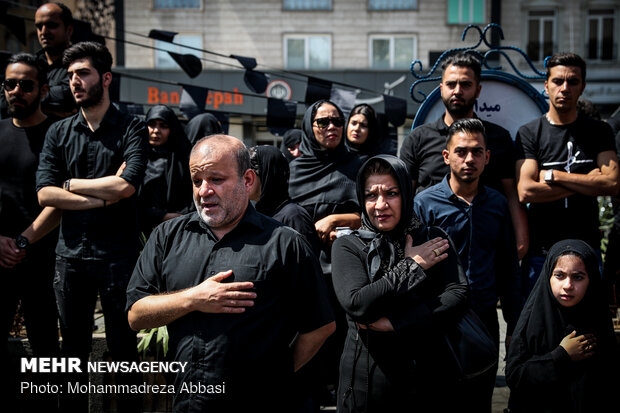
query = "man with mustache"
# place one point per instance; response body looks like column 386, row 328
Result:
column 242, row 295
column 54, row 24
column 422, row 150
column 90, row 167
column 478, row 221
column 26, row 244
column 565, row 160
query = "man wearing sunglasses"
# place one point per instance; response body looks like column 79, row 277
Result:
column 54, row 24
column 26, row 244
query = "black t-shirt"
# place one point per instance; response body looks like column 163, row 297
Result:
column 422, row 152
column 571, row 148
column 249, row 351
column 19, row 158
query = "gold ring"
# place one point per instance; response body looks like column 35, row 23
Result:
column 437, row 252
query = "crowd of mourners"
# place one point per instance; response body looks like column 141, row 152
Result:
column 321, row 272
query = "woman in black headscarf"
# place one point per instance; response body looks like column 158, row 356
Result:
column 202, row 125
column 563, row 356
column 271, row 192
column 400, row 283
column 166, row 191
column 363, row 131
column 290, row 144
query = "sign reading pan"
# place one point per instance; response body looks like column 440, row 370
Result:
column 505, row 99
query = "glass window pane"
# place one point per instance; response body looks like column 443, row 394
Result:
column 533, row 46
column 548, row 39
column 593, row 39
column 478, row 16
column 403, row 52
column 163, row 59
column 307, row 4
column 176, row 4
column 380, row 53
column 319, row 53
column 392, row 4
column 607, row 52
column 295, row 56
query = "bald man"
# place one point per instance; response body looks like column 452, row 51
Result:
column 242, row 295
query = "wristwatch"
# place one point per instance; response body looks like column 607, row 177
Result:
column 22, row 242
column 549, row 176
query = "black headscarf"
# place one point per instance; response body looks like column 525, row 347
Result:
column 202, row 125
column 322, row 180
column 167, row 184
column 385, row 249
column 370, row 147
column 290, row 138
column 273, row 171
column 544, row 322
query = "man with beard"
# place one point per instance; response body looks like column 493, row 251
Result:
column 54, row 24
column 566, row 160
column 26, row 244
column 90, row 167
column 477, row 219
column 242, row 295
column 422, row 149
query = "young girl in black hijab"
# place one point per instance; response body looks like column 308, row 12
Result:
column 563, row 356
column 166, row 191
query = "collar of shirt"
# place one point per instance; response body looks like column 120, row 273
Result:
column 111, row 117
column 251, row 218
column 444, row 186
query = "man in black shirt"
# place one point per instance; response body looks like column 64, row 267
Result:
column 564, row 162
column 242, row 295
column 422, row 149
column 90, row 167
column 26, row 248
column 54, row 24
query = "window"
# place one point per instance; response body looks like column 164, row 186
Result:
column 163, row 59
column 176, row 4
column 541, row 34
column 307, row 52
column 392, row 52
column 392, row 5
column 307, row 4
column 600, row 34
column 466, row 12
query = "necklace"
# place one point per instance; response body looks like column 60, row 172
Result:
column 549, row 119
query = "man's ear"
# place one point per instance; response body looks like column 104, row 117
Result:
column 445, row 154
column 43, row 91
column 106, row 79
column 249, row 177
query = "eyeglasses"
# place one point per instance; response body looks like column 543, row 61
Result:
column 324, row 122
column 26, row 85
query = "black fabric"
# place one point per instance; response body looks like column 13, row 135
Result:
column 539, row 371
column 193, row 100
column 273, row 171
column 371, row 146
column 290, row 138
column 72, row 150
column 202, row 125
column 394, row 371
column 422, row 152
column 191, row 65
column 59, row 99
column 577, row 215
column 248, row 351
column 167, row 185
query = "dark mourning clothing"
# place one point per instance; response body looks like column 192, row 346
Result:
column 167, row 185
column 541, row 375
column 323, row 181
column 371, row 146
column 290, row 138
column 422, row 152
column 571, row 148
column 394, row 371
column 248, row 351
column 202, row 125
column 273, row 172
column 482, row 233
column 59, row 99
column 72, row 150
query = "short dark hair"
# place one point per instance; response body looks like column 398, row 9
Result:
column 30, row 60
column 378, row 167
column 368, row 112
column 241, row 154
column 468, row 125
column 566, row 59
column 463, row 60
column 65, row 14
column 98, row 54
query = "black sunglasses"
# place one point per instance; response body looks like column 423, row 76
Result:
column 324, row 122
column 26, row 85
